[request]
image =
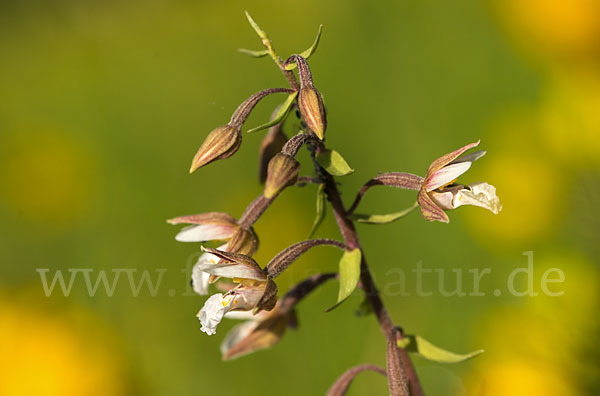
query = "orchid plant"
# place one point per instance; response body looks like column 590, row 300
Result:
column 249, row 290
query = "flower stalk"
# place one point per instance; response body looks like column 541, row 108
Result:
column 252, row 293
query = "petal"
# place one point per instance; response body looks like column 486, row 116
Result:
column 232, row 270
column 205, row 232
column 448, row 158
column 242, row 315
column 446, row 175
column 429, row 209
column 204, row 218
column 233, row 265
column 469, row 157
column 265, row 335
column 200, row 281
column 212, row 312
column 442, row 199
column 237, row 334
column 200, row 278
column 246, row 298
column 479, row 194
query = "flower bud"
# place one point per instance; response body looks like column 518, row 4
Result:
column 282, row 172
column 312, row 110
column 271, row 144
column 221, row 143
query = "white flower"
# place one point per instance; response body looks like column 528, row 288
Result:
column 241, row 298
column 254, row 289
column 212, row 312
column 439, row 191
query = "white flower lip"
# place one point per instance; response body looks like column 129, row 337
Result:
column 476, row 194
column 212, row 312
column 479, row 194
column 217, row 305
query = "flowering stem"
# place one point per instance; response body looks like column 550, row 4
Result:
column 351, row 240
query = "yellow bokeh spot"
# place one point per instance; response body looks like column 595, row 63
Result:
column 562, row 27
column 537, row 347
column 530, row 190
column 56, row 353
column 570, row 118
column 519, row 378
column 47, row 177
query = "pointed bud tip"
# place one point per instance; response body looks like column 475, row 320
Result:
column 221, row 143
column 313, row 110
column 282, row 172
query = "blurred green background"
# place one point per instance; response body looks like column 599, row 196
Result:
column 103, row 105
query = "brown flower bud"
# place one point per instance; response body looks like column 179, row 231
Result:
column 271, row 144
column 309, row 99
column 312, row 110
column 221, row 143
column 282, row 172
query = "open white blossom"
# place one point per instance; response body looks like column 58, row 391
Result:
column 242, row 298
column 212, row 312
column 440, row 191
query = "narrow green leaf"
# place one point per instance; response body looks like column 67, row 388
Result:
column 308, row 52
column 261, row 33
column 382, row 219
column 349, row 275
column 283, row 111
column 252, row 53
column 334, row 163
column 426, row 349
column 320, row 210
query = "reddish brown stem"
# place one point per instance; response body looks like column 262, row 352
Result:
column 350, row 236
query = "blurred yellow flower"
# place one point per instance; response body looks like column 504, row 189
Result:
column 537, row 348
column 46, row 177
column 529, row 183
column 56, row 353
column 556, row 27
column 570, row 117
column 519, row 378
